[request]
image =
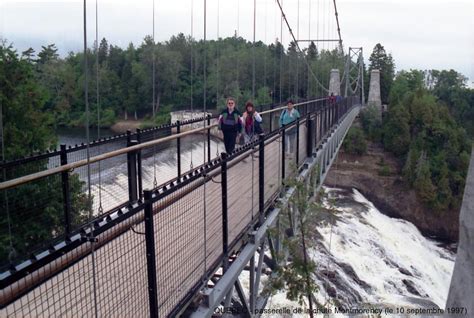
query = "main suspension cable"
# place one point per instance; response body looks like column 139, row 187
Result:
column 298, row 46
column 338, row 28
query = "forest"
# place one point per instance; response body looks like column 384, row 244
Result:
column 182, row 68
column 429, row 127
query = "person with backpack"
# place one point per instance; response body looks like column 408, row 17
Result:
column 252, row 122
column 287, row 116
column 230, row 123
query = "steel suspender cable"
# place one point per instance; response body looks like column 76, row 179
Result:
column 205, row 74
column 217, row 54
column 281, row 56
column 204, row 135
column 238, row 18
column 308, row 88
column 318, row 89
column 89, row 194
column 274, row 57
column 297, row 55
column 192, row 70
column 253, row 48
column 100, row 209
column 153, row 76
column 238, row 59
column 86, row 97
column 266, row 50
column 297, row 45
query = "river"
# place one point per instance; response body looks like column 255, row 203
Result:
column 366, row 259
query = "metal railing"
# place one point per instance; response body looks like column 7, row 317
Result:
column 56, row 184
column 189, row 225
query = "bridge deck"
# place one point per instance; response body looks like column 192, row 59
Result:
column 188, row 235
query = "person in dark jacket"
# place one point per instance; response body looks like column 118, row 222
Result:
column 230, row 123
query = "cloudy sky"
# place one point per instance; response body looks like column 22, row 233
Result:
column 421, row 34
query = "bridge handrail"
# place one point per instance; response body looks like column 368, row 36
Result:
column 119, row 137
column 45, row 173
column 77, row 147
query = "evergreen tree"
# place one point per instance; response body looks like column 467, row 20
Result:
column 379, row 59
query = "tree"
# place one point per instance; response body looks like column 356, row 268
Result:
column 420, row 129
column 312, row 52
column 370, row 119
column 396, row 130
column 423, row 184
column 27, row 224
column 355, row 143
column 48, row 53
column 28, row 54
column 379, row 59
column 103, row 51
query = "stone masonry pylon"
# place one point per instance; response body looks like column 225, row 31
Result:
column 374, row 90
column 335, row 82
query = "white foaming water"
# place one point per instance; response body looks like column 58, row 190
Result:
column 156, row 170
column 370, row 259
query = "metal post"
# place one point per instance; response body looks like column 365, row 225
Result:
column 66, row 193
column 208, row 139
column 283, row 152
column 310, row 135
column 271, row 118
column 253, row 292
column 225, row 229
column 178, row 147
column 326, row 117
column 132, row 169
column 297, row 142
column 320, row 125
column 150, row 255
column 261, row 177
column 334, row 113
column 139, row 165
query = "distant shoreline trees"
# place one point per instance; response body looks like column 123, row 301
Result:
column 126, row 85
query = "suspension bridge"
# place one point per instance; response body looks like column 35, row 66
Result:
column 175, row 244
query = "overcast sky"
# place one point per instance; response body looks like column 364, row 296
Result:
column 421, row 34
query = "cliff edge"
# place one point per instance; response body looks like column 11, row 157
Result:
column 377, row 175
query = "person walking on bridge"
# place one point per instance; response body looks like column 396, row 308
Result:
column 252, row 123
column 287, row 116
column 332, row 100
column 230, row 123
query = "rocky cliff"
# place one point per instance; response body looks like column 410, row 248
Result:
column 377, row 175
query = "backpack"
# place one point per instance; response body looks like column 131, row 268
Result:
column 257, row 127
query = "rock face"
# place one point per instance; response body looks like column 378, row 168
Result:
column 377, row 175
column 461, row 292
